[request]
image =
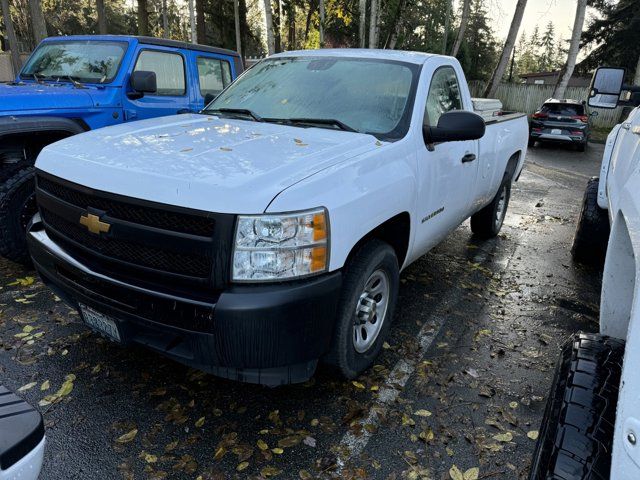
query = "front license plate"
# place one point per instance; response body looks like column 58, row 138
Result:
column 100, row 322
column 556, row 131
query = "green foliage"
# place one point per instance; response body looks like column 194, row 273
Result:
column 539, row 53
column 614, row 35
column 480, row 50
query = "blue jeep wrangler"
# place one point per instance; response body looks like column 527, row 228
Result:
column 73, row 84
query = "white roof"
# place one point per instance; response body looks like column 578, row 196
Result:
column 398, row 55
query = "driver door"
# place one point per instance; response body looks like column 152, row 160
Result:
column 447, row 171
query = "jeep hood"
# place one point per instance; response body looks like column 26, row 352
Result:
column 45, row 96
column 199, row 161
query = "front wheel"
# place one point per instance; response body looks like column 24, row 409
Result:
column 487, row 223
column 592, row 232
column 365, row 311
column 17, row 208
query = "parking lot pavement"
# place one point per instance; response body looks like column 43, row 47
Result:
column 461, row 382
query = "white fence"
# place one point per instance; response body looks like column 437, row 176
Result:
column 529, row 98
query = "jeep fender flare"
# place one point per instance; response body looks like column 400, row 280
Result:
column 603, row 199
column 11, row 125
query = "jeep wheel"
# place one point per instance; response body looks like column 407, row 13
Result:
column 592, row 232
column 487, row 223
column 576, row 434
column 17, row 208
column 365, row 311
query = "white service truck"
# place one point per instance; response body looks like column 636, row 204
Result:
column 591, row 426
column 268, row 232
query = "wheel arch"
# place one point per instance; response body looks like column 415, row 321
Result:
column 396, row 231
column 512, row 165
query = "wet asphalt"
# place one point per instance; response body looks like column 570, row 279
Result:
column 461, row 383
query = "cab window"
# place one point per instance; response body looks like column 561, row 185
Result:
column 213, row 74
column 169, row 70
column 444, row 95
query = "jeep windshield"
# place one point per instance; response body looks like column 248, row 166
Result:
column 356, row 94
column 86, row 61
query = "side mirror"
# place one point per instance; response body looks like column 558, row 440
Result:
column 143, row 82
column 455, row 126
column 606, row 87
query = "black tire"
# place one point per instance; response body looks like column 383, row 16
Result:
column 532, row 142
column 8, row 170
column 592, row 232
column 343, row 357
column 582, row 146
column 486, row 223
column 17, row 207
column 576, row 434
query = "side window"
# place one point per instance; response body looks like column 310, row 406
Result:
column 444, row 95
column 214, row 75
column 169, row 70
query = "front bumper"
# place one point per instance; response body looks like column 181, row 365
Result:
column 270, row 334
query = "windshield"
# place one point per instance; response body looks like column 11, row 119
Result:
column 366, row 95
column 567, row 109
column 83, row 61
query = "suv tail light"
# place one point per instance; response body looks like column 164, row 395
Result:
column 540, row 115
column 582, row 118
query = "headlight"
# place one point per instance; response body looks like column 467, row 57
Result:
column 280, row 247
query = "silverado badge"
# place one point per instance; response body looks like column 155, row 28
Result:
column 94, row 224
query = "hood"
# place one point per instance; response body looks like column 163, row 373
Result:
column 201, row 162
column 34, row 96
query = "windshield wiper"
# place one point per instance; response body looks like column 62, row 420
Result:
column 237, row 111
column 75, row 82
column 314, row 121
column 36, row 78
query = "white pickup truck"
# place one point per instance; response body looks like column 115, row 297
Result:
column 268, row 232
column 591, row 427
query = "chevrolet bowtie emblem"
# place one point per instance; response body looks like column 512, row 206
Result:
column 94, row 224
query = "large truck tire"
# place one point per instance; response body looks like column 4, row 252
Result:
column 487, row 223
column 576, row 435
column 17, row 207
column 592, row 232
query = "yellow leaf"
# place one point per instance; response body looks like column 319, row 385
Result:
column 242, row 466
column 269, row 471
column 374, row 388
column 200, row 422
column 262, row 445
column 386, row 346
column 406, row 420
column 533, row 434
column 28, row 329
column 471, row 474
column 127, row 437
column 45, row 385
column 277, row 451
column 513, row 404
column 220, row 453
column 503, row 437
column 65, row 389
column 422, row 413
column 427, row 435
column 358, row 385
column 287, row 442
column 455, row 473
column 149, row 458
column 28, row 386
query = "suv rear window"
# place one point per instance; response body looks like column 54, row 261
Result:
column 568, row 109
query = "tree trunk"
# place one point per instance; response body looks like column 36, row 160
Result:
column 321, row 29
column 16, row 63
column 165, row 20
column 236, row 18
column 574, row 48
column 102, row 20
column 291, row 22
column 373, row 22
column 362, row 28
column 243, row 24
column 466, row 8
column 277, row 23
column 143, row 18
column 200, row 26
column 37, row 21
column 636, row 78
column 192, row 22
column 271, row 45
column 393, row 38
column 445, row 35
column 496, row 78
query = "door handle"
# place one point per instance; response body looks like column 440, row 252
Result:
column 469, row 157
